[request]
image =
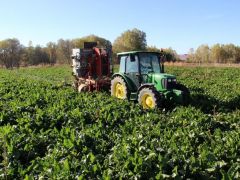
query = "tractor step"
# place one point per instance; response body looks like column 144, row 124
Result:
column 133, row 96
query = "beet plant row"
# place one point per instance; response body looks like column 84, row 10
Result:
column 47, row 130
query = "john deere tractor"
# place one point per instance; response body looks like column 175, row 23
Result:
column 141, row 78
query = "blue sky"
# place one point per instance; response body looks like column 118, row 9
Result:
column 180, row 24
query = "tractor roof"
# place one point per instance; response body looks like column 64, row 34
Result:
column 135, row 52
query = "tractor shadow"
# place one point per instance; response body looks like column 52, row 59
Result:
column 211, row 105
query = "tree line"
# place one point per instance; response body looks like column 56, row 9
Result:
column 218, row 53
column 14, row 54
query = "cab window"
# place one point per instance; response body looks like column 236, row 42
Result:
column 122, row 64
column 132, row 64
column 149, row 63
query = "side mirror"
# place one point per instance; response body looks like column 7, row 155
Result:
column 163, row 58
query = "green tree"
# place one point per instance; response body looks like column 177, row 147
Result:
column 217, row 53
column 52, row 52
column 24, row 60
column 30, row 53
column 130, row 40
column 64, row 49
column 153, row 49
column 10, row 50
column 231, row 53
column 101, row 42
column 171, row 55
column 202, row 54
column 40, row 56
column 191, row 55
column 237, row 54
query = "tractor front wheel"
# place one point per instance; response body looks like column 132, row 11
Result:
column 119, row 88
column 149, row 98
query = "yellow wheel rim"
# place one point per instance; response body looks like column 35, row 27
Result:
column 147, row 101
column 119, row 91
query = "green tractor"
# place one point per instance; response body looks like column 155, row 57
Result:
column 141, row 78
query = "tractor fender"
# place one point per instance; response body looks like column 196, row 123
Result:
column 130, row 84
column 145, row 86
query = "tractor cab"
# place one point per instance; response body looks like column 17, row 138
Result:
column 139, row 65
column 141, row 78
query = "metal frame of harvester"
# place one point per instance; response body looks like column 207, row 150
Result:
column 92, row 67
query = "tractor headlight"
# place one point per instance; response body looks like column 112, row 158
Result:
column 171, row 80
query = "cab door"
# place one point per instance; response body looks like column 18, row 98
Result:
column 132, row 69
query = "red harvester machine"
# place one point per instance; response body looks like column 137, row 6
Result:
column 92, row 67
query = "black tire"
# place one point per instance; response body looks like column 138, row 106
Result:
column 149, row 98
column 186, row 93
column 119, row 88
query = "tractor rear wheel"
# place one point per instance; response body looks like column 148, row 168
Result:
column 119, row 88
column 149, row 98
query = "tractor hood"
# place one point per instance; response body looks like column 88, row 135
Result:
column 164, row 75
column 160, row 79
column 159, row 76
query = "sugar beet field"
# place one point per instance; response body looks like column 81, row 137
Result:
column 47, row 130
